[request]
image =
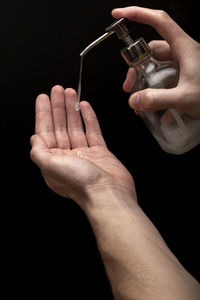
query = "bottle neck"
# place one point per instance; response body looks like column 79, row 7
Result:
column 136, row 53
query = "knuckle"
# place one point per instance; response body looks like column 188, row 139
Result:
column 161, row 17
column 162, row 14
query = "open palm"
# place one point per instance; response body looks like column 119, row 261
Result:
column 74, row 161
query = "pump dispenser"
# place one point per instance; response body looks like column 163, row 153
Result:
column 175, row 132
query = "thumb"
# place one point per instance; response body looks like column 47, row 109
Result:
column 39, row 152
column 155, row 99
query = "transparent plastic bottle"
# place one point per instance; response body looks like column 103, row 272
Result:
column 176, row 133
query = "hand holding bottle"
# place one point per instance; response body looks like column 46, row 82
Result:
column 177, row 46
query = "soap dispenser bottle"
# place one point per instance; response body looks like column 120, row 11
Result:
column 174, row 131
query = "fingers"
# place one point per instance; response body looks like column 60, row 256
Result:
column 160, row 20
column 130, row 80
column 161, row 50
column 156, row 99
column 58, row 124
column 74, row 123
column 93, row 131
column 59, row 117
column 44, row 122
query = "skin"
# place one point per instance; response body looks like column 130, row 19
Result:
column 177, row 46
column 57, row 145
column 76, row 163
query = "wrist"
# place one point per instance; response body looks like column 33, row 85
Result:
column 109, row 198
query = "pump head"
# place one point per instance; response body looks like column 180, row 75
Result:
column 133, row 53
column 121, row 31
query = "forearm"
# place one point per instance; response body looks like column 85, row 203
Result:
column 138, row 263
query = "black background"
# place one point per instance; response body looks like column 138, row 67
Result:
column 50, row 249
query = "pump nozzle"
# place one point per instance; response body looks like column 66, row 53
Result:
column 96, row 42
column 117, row 27
column 133, row 53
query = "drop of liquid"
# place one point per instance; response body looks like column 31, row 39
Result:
column 77, row 106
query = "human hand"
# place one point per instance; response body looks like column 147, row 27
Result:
column 177, row 46
column 74, row 163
